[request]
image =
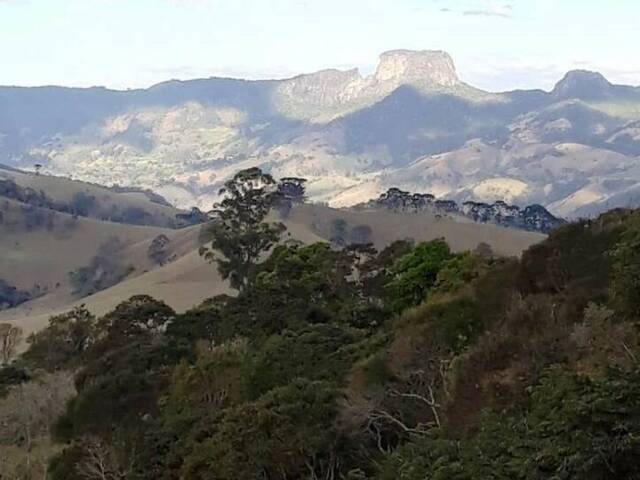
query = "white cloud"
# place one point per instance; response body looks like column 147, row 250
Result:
column 485, row 8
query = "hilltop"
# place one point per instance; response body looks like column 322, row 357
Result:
column 44, row 242
column 412, row 124
column 414, row 361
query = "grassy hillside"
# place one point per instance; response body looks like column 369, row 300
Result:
column 187, row 279
column 387, row 226
column 413, row 362
column 44, row 254
column 83, row 199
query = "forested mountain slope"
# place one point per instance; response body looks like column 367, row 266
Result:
column 410, row 362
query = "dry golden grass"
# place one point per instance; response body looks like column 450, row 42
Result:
column 62, row 189
column 188, row 279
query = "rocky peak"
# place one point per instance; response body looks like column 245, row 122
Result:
column 330, row 91
column 425, row 67
column 582, row 84
column 324, row 87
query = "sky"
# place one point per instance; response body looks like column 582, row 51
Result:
column 496, row 44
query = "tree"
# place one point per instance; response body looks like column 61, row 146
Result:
column 63, row 342
column 287, row 433
column 361, row 234
column 416, row 272
column 157, row 250
column 10, row 336
column 291, row 191
column 240, row 233
column 484, row 250
column 104, row 270
column 82, row 204
column 317, row 352
column 30, row 410
column 625, row 285
column 102, row 461
column 139, row 315
column 194, row 217
column 339, row 232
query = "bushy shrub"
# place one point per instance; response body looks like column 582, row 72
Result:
column 104, row 270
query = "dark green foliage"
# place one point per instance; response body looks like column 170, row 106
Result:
column 139, row 315
column 10, row 296
column 416, row 272
column 288, row 433
column 11, row 375
column 241, row 249
column 240, row 233
column 124, row 370
column 413, row 363
column 291, row 191
column 158, row 251
column 194, row 404
column 195, row 216
column 625, row 287
column 296, row 286
column 82, row 204
column 318, row 352
column 338, row 233
column 65, row 466
column 455, row 322
column 573, row 428
column 199, row 324
column 459, row 271
column 64, row 343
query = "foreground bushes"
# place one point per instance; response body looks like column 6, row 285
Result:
column 411, row 363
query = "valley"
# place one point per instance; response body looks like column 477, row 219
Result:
column 39, row 257
column 319, row 240
column 412, row 124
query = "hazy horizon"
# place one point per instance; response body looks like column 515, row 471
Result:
column 363, row 72
column 497, row 45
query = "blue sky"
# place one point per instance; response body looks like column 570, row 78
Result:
column 496, row 44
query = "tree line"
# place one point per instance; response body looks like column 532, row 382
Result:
column 413, row 362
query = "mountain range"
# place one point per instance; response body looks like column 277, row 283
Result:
column 412, row 124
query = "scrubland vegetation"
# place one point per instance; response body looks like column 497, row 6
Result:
column 343, row 362
column 39, row 210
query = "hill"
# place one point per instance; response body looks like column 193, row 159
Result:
column 412, row 362
column 412, row 124
column 62, row 194
column 184, row 278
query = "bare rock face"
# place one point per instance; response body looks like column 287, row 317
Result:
column 326, row 87
column 422, row 68
column 328, row 91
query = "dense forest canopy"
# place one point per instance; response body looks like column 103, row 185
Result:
column 409, row 363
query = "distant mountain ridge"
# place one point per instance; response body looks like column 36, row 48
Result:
column 412, row 124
